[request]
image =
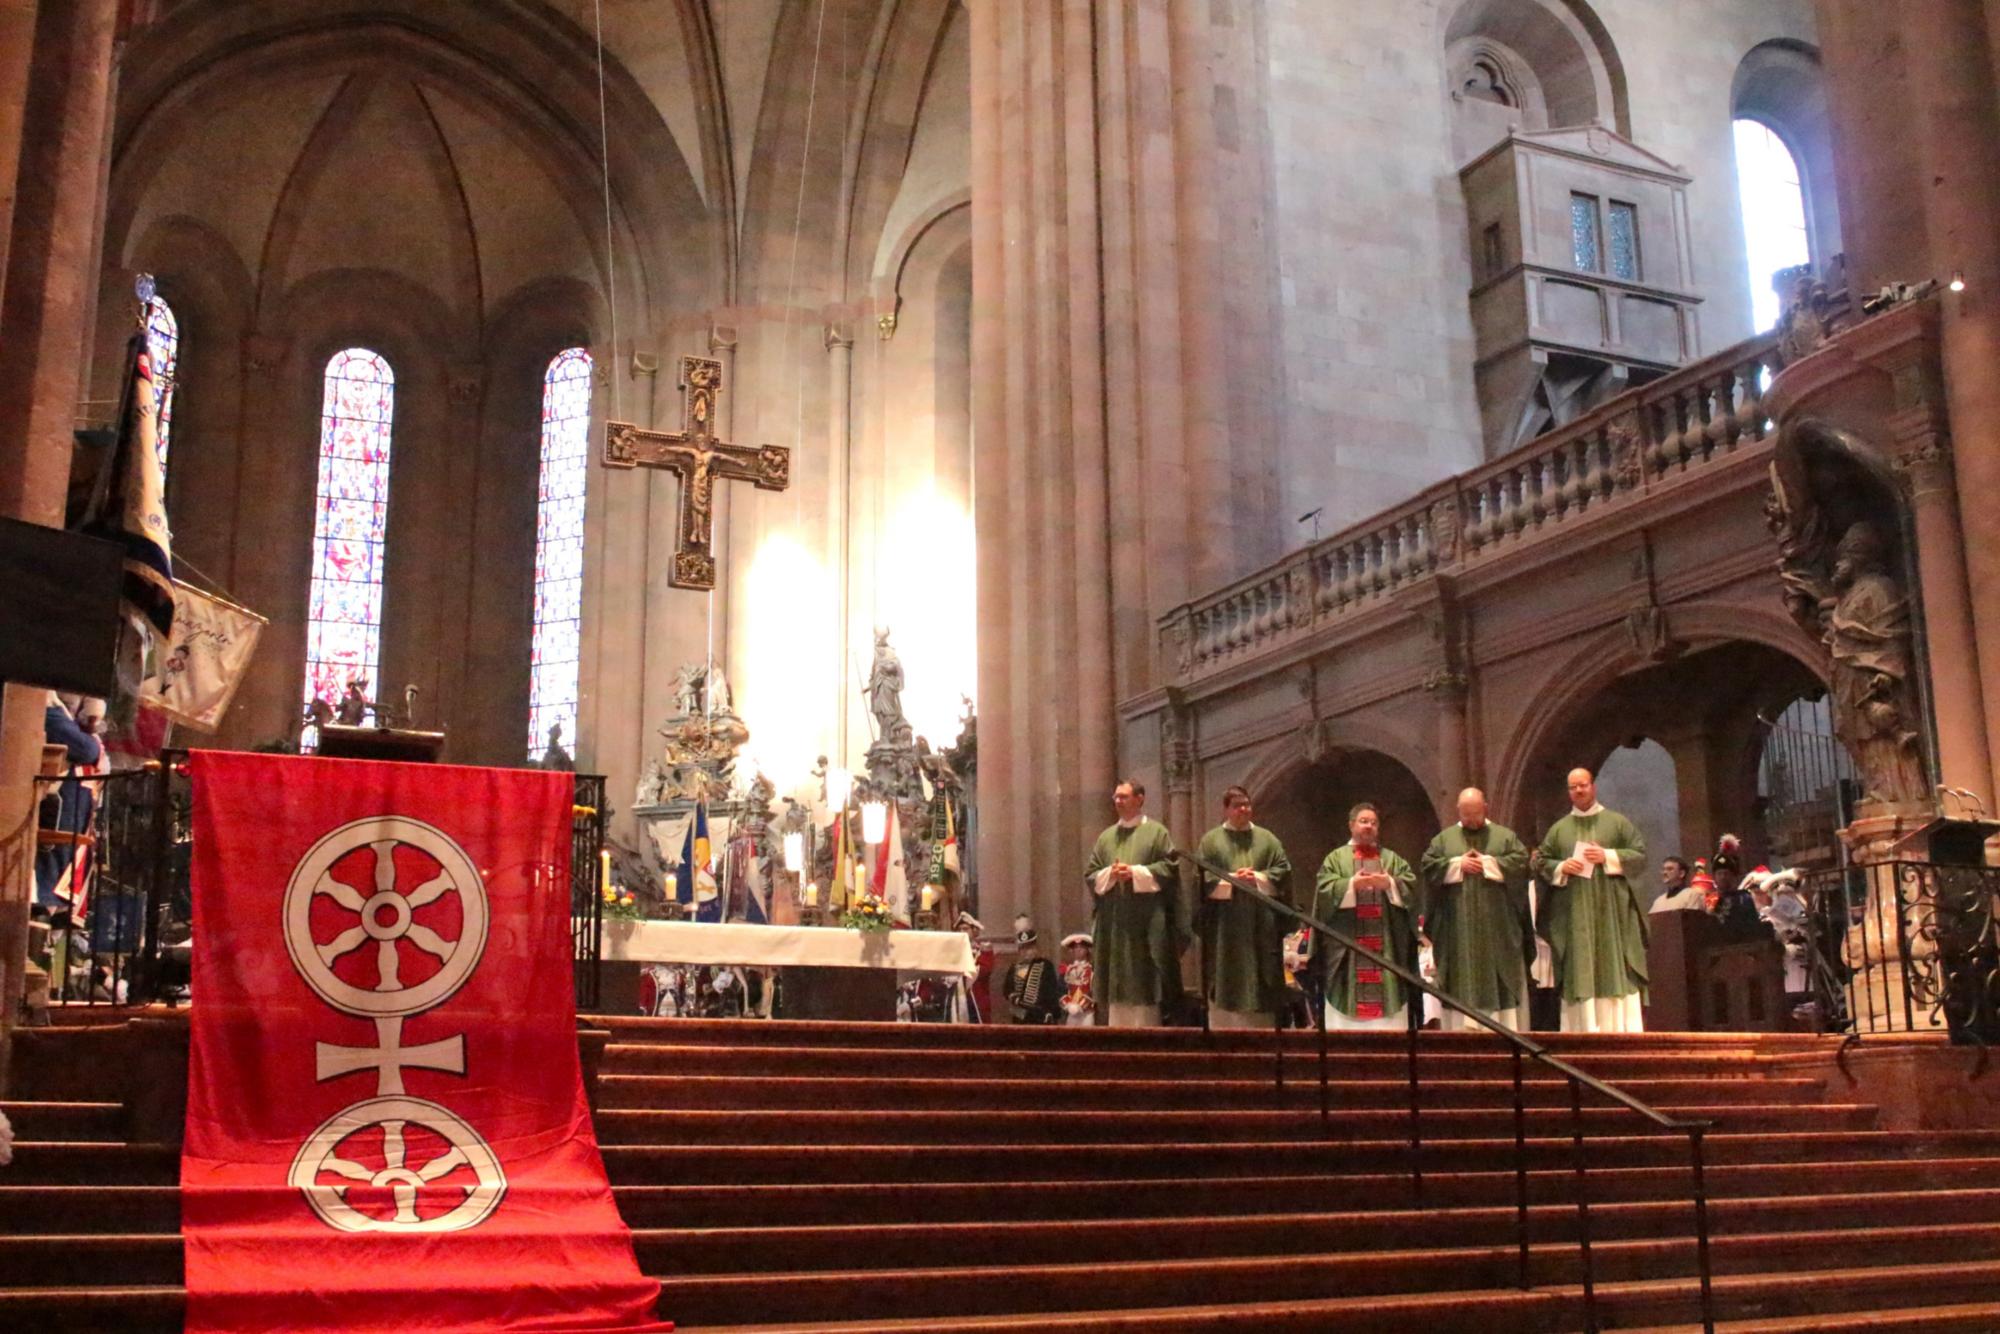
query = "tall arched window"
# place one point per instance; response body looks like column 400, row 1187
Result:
column 344, row 617
column 163, row 346
column 552, row 689
column 1774, row 213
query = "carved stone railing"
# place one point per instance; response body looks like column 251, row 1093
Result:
column 1642, row 440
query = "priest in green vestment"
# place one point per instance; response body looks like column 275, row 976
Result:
column 1593, row 862
column 1138, row 924
column 1367, row 892
column 1242, row 940
column 1475, row 913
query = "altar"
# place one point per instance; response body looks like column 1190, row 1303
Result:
column 825, row 972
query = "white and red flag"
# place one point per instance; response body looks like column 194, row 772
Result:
column 386, row 1123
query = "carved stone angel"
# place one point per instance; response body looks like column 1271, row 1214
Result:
column 1840, row 585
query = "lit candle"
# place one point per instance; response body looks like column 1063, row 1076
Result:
column 812, row 894
column 874, row 821
column 795, row 852
column 930, row 892
column 604, row 872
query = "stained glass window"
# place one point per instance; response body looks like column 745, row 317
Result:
column 1774, row 214
column 163, row 347
column 552, row 689
column 344, row 617
column 1624, row 229
column 1583, row 234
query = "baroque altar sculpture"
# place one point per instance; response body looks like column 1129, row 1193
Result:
column 703, row 738
column 1844, row 584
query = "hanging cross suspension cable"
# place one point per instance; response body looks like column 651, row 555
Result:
column 610, row 254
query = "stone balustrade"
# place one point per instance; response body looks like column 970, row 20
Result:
column 1643, row 440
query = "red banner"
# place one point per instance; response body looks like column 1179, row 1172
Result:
column 386, row 1124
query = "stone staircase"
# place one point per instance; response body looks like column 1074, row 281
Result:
column 804, row 1177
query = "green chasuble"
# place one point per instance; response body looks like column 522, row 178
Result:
column 1597, row 923
column 1478, row 928
column 1242, row 941
column 1399, row 937
column 1136, row 939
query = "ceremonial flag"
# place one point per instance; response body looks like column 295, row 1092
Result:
column 756, row 894
column 386, row 1125
column 141, row 500
column 203, row 660
column 892, row 884
column 944, row 851
column 128, row 507
column 836, row 893
column 694, row 882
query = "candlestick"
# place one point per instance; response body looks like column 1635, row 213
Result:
column 604, row 872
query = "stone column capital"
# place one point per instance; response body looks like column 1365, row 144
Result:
column 839, row 337
column 721, row 339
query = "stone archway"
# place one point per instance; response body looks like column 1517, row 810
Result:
column 1703, row 709
column 1306, row 806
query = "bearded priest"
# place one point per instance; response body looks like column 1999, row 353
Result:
column 1368, row 893
column 1475, row 911
column 1242, row 940
column 1592, row 863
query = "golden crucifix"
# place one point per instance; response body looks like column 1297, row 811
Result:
column 694, row 455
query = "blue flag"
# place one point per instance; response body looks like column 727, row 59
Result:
column 694, row 883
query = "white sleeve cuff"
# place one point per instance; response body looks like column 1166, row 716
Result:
column 1454, row 874
column 1222, row 891
column 1491, row 867
column 1143, row 881
column 1611, row 864
column 1102, row 883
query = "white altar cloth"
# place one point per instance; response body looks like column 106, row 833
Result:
column 777, row 946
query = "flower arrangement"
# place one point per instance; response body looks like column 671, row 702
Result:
column 866, row 912
column 620, row 906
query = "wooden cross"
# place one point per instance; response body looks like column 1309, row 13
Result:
column 694, row 455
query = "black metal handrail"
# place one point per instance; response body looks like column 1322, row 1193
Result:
column 1521, row 1046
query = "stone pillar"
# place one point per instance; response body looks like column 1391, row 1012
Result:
column 1964, row 757
column 1105, row 462
column 840, row 463
column 1869, row 100
column 1449, row 691
column 17, row 41
column 49, row 288
column 1953, row 117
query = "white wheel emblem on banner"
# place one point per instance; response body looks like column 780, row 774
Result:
column 320, row 1156
column 385, row 918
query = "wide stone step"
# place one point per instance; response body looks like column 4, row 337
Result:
column 964, row 1290
column 1972, row 1317
column 726, row 1164
column 855, row 1093
column 93, row 1309
column 65, row 1120
column 1821, row 1300
column 1035, row 1038
column 59, row 1163
column 1083, row 1238
column 746, row 1205
column 1390, row 1061
column 641, row 1126
column 26, row 1209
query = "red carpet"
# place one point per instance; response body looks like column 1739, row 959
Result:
column 386, row 1123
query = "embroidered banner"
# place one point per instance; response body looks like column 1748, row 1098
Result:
column 386, row 1124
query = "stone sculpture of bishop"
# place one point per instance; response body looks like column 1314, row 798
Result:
column 695, row 456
